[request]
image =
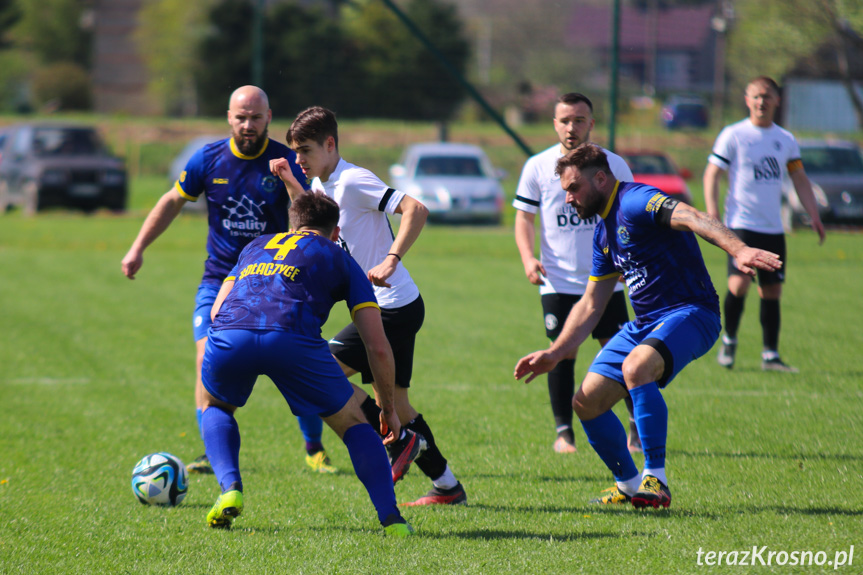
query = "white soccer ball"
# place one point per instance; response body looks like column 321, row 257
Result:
column 160, row 479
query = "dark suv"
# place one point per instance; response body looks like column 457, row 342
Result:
column 685, row 112
column 48, row 165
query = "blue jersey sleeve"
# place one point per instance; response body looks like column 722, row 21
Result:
column 193, row 177
column 232, row 275
column 641, row 204
column 603, row 265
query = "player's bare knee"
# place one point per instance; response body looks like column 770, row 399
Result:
column 637, row 372
column 584, row 408
column 347, row 417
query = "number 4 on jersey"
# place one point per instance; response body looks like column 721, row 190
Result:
column 278, row 242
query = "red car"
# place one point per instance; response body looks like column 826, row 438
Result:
column 658, row 170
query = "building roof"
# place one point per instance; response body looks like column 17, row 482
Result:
column 681, row 28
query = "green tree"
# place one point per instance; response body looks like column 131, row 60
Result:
column 772, row 36
column 306, row 57
column 397, row 76
column 378, row 41
column 54, row 38
column 168, row 35
column 10, row 14
column 302, row 52
column 226, row 54
column 55, row 30
column 437, row 94
column 366, row 64
column 13, row 68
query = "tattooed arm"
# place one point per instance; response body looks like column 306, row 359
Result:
column 687, row 218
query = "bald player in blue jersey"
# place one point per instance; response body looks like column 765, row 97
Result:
column 649, row 239
column 267, row 321
column 244, row 201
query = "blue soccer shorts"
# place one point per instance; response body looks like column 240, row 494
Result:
column 680, row 337
column 204, row 301
column 302, row 368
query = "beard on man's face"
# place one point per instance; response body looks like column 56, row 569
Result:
column 248, row 143
column 592, row 205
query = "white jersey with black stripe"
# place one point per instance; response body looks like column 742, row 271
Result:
column 364, row 202
column 756, row 160
column 566, row 241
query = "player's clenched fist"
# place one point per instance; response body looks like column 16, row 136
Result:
column 281, row 168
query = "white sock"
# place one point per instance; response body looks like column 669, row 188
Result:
column 769, row 354
column 657, row 473
column 630, row 486
column 728, row 340
column 445, row 481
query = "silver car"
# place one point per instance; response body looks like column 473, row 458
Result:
column 835, row 168
column 456, row 182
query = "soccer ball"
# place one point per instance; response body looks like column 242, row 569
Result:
column 160, row 479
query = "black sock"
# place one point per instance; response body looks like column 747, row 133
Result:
column 561, row 388
column 770, row 320
column 372, row 412
column 431, row 462
column 733, row 309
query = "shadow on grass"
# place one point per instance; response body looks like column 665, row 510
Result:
column 563, row 478
column 787, row 510
column 765, row 455
column 497, row 534
column 206, row 506
column 613, row 510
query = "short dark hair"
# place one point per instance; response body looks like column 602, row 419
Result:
column 314, row 210
column 573, row 98
column 316, row 124
column 585, row 157
column 765, row 81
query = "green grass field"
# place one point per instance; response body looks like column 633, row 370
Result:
column 97, row 371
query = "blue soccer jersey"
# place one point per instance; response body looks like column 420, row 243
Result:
column 244, row 200
column 290, row 282
column 663, row 268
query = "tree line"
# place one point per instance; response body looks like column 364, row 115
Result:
column 354, row 56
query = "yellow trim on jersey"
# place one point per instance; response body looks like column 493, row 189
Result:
column 794, row 165
column 184, row 194
column 607, row 209
column 605, row 277
column 362, row 305
column 230, row 279
column 236, row 151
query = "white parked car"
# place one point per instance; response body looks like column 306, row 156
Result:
column 456, row 182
